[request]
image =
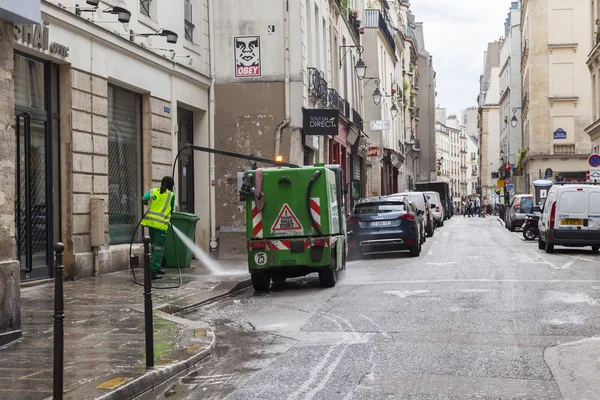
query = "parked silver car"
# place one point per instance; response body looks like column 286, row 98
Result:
column 436, row 207
column 516, row 214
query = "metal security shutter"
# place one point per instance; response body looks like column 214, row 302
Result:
column 356, row 166
column 124, row 163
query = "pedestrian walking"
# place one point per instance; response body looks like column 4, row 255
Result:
column 478, row 206
column 160, row 203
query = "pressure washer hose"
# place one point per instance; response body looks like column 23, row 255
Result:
column 316, row 174
column 176, row 256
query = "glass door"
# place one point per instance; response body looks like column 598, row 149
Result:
column 37, row 178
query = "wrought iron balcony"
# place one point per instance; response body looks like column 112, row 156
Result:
column 317, row 85
column 346, row 109
column 357, row 119
column 354, row 23
column 334, row 101
column 374, row 19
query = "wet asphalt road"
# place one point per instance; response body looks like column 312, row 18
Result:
column 470, row 318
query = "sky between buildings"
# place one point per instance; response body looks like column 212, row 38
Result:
column 456, row 34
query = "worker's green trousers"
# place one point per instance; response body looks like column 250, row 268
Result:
column 158, row 238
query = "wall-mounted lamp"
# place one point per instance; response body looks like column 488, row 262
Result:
column 394, row 111
column 123, row 15
column 170, row 35
column 514, row 121
column 360, row 68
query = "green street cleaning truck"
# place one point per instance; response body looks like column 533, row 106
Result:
column 295, row 223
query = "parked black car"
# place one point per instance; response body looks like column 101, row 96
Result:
column 384, row 225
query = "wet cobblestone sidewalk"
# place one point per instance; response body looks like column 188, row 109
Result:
column 104, row 333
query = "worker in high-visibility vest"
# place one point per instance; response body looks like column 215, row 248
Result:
column 160, row 202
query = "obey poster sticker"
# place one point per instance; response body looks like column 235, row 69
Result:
column 247, row 56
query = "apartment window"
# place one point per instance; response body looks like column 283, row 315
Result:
column 145, row 7
column 188, row 21
column 124, row 163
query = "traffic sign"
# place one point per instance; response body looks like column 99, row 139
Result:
column 287, row 222
column 594, row 160
column 507, row 181
column 500, row 183
column 510, row 188
column 594, row 174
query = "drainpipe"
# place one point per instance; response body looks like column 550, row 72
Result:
column 288, row 118
column 211, row 127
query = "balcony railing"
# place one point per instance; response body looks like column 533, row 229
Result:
column 354, row 23
column 374, row 19
column 357, row 119
column 346, row 111
column 334, row 101
column 317, row 85
column 564, row 149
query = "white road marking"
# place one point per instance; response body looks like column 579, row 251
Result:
column 442, row 263
column 403, row 295
column 473, row 281
column 376, row 326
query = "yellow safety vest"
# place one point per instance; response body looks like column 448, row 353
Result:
column 159, row 210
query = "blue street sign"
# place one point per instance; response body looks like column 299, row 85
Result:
column 560, row 133
column 594, row 160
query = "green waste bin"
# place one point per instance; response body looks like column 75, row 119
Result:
column 186, row 223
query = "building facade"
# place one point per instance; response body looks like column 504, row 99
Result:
column 470, row 122
column 511, row 133
column 278, row 64
column 489, row 122
column 557, row 90
column 25, row 12
column 593, row 63
column 100, row 113
column 425, row 112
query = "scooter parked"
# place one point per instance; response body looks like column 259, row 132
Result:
column 530, row 227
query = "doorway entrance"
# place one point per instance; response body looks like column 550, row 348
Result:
column 186, row 160
column 37, row 194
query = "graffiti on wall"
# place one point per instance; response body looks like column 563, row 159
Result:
column 247, row 56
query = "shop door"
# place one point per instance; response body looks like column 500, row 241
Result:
column 186, row 161
column 37, row 177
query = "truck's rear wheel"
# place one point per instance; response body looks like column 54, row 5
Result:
column 261, row 281
column 328, row 278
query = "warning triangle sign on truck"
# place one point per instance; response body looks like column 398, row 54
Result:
column 287, row 222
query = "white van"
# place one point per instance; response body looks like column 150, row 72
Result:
column 437, row 209
column 571, row 217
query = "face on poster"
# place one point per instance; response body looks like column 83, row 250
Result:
column 247, row 56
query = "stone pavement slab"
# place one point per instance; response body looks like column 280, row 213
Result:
column 104, row 334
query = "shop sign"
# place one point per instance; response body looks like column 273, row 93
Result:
column 380, row 125
column 38, row 38
column 373, row 151
column 320, row 122
column 363, row 147
column 570, row 177
column 247, row 56
column 560, row 133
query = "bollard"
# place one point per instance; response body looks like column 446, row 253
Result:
column 148, row 326
column 59, row 317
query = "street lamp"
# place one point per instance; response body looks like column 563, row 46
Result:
column 377, row 96
column 361, row 69
column 514, row 121
column 394, row 110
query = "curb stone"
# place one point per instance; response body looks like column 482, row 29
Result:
column 501, row 222
column 156, row 377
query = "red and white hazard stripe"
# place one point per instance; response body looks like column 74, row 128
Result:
column 257, row 223
column 315, row 210
column 279, row 245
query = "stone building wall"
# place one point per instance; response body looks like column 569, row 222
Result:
column 87, row 175
column 10, row 316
